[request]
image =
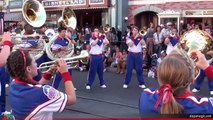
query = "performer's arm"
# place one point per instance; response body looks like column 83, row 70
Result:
column 129, row 42
column 202, row 63
column 5, row 51
column 143, row 43
column 46, row 77
column 209, row 72
column 106, row 41
column 69, row 88
column 166, row 42
column 94, row 42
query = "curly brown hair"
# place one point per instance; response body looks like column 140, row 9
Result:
column 17, row 63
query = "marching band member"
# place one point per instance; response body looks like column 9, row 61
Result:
column 171, row 41
column 96, row 58
column 31, row 41
column 30, row 99
column 134, row 58
column 175, row 75
column 202, row 75
column 4, row 77
column 60, row 44
column 41, row 31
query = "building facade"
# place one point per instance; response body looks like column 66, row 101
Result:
column 179, row 12
column 88, row 12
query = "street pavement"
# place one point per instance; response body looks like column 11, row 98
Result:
column 111, row 102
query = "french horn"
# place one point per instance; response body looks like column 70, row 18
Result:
column 68, row 18
column 34, row 13
column 197, row 40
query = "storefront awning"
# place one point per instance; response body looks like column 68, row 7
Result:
column 13, row 16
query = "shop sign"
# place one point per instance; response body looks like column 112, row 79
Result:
column 57, row 3
column 15, row 4
column 96, row 1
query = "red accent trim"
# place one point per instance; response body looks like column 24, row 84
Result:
column 18, row 81
column 185, row 95
column 66, row 76
column 24, row 57
column 9, row 43
column 25, row 33
column 62, row 103
column 135, row 52
column 47, row 76
column 59, row 38
column 209, row 71
column 42, row 107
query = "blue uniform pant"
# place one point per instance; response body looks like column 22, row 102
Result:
column 134, row 61
column 4, row 78
column 96, row 65
column 57, row 77
column 200, row 80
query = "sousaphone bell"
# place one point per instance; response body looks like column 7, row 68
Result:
column 34, row 13
column 68, row 18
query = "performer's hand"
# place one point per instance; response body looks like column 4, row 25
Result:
column 52, row 70
column 200, row 59
column 61, row 65
column 6, row 36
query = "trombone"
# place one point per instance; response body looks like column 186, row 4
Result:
column 70, row 61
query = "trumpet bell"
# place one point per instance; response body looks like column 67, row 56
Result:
column 69, row 18
column 34, row 13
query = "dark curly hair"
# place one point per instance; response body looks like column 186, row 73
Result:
column 17, row 63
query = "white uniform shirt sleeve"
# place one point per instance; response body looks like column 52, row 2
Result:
column 91, row 41
column 128, row 41
column 56, row 103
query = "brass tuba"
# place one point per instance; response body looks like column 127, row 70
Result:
column 106, row 28
column 68, row 18
column 34, row 13
column 197, row 40
column 62, row 54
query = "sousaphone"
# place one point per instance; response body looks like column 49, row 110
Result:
column 68, row 19
column 35, row 15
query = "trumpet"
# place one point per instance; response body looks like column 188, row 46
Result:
column 70, row 61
